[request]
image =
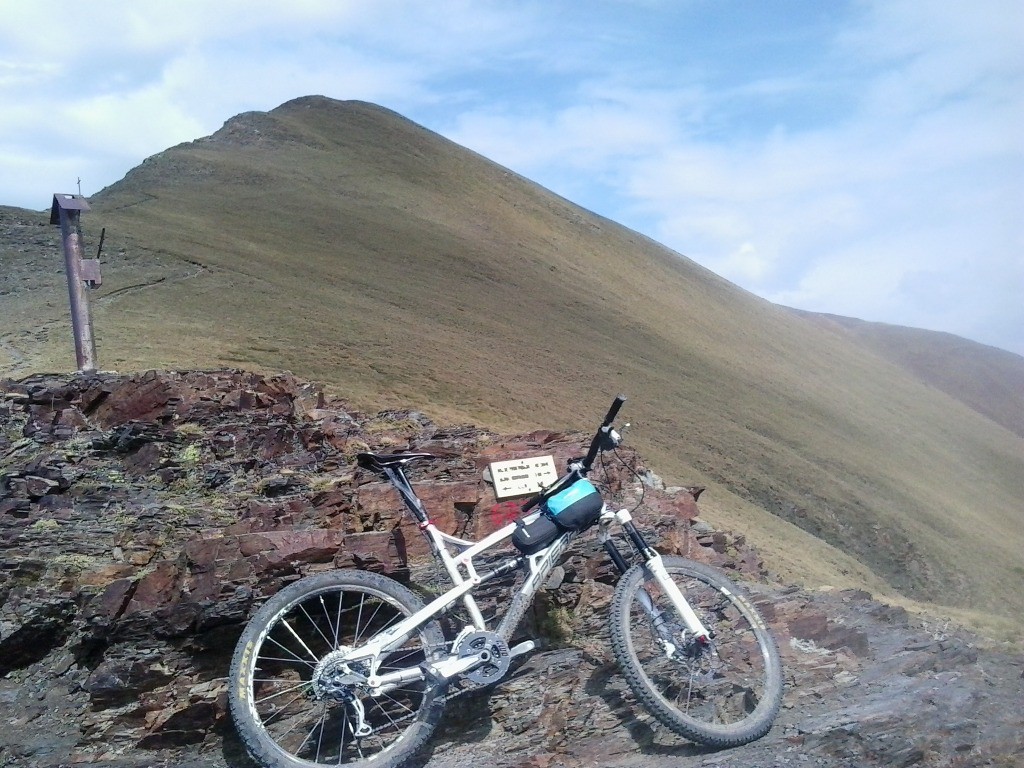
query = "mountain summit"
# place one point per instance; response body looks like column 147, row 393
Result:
column 353, row 247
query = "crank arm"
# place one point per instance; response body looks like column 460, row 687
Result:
column 524, row 647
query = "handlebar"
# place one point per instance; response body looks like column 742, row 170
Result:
column 583, row 467
column 614, row 410
column 595, row 444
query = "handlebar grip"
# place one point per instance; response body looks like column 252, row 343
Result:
column 614, row 410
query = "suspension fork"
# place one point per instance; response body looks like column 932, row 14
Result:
column 656, row 567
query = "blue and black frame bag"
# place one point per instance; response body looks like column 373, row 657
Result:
column 577, row 507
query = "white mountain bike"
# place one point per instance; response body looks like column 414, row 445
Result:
column 351, row 668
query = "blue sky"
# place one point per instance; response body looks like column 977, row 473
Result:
column 860, row 158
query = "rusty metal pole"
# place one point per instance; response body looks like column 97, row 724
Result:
column 66, row 210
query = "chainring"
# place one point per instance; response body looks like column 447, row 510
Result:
column 497, row 663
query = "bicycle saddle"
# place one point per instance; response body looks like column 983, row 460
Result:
column 378, row 461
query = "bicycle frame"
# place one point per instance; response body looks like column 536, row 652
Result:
column 466, row 577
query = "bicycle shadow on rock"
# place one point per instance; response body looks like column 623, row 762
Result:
column 504, row 724
column 649, row 736
column 466, row 722
column 580, row 711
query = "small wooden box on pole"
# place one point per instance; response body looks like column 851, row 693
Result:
column 65, row 211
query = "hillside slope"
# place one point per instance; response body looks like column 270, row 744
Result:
column 346, row 244
column 987, row 379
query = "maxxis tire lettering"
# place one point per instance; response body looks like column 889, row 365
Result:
column 241, row 690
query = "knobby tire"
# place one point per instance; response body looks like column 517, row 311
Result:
column 287, row 719
column 722, row 694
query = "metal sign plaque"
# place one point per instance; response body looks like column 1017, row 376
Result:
column 522, row 477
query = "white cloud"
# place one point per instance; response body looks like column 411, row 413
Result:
column 127, row 80
column 869, row 161
column 908, row 212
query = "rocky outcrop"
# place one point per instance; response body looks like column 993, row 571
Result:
column 143, row 518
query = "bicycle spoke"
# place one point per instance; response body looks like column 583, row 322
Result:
column 281, row 711
column 359, row 620
column 341, row 737
column 287, row 625
column 320, row 739
column 316, row 626
column 295, row 656
column 369, row 622
column 317, row 724
column 395, row 701
column 336, row 625
column 295, row 660
column 279, row 693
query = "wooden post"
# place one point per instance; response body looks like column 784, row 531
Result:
column 65, row 211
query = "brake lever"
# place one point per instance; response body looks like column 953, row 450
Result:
column 611, row 439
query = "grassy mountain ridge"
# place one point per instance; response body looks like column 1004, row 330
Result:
column 350, row 246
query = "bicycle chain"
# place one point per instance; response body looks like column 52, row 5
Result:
column 468, row 687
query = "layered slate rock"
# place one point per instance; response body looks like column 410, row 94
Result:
column 144, row 518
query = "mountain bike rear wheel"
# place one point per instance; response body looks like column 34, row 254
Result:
column 297, row 704
column 722, row 693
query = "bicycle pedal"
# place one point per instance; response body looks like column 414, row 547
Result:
column 524, row 647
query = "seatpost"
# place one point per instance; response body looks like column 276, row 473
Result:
column 398, row 479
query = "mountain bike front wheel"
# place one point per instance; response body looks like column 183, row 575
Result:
column 723, row 692
column 297, row 703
